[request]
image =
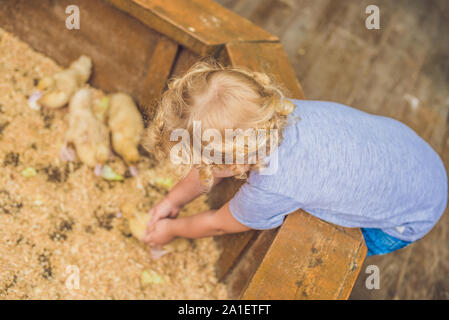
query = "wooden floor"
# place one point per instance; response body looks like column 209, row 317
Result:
column 401, row 71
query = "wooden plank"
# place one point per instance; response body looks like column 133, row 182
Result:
column 200, row 25
column 308, row 259
column 232, row 245
column 120, row 46
column 222, row 56
column 269, row 58
column 154, row 81
column 186, row 58
column 239, row 276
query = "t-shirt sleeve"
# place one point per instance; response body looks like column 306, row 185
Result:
column 260, row 209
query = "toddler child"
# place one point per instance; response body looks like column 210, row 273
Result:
column 339, row 164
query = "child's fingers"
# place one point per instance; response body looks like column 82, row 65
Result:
column 153, row 220
column 149, row 229
column 154, row 216
column 147, row 238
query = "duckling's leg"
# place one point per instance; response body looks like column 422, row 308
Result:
column 67, row 153
column 98, row 170
column 102, row 153
column 157, row 253
column 133, row 171
column 32, row 100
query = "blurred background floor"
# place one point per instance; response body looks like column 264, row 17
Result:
column 399, row 71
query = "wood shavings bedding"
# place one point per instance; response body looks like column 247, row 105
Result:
column 64, row 221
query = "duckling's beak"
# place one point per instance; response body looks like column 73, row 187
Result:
column 45, row 83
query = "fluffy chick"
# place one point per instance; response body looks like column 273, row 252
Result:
column 138, row 221
column 59, row 88
column 126, row 124
column 89, row 135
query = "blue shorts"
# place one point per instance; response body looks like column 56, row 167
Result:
column 378, row 242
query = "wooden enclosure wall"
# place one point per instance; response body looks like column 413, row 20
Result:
column 128, row 56
column 135, row 46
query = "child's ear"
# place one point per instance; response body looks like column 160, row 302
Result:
column 223, row 173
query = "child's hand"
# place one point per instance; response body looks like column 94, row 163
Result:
column 164, row 209
column 159, row 234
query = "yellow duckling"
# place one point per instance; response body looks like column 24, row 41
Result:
column 138, row 222
column 126, row 125
column 59, row 88
column 89, row 135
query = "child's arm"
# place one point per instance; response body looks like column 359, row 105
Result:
column 205, row 224
column 188, row 188
column 182, row 193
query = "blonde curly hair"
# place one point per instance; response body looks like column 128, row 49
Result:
column 220, row 98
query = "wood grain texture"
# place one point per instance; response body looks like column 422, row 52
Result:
column 154, row 80
column 185, row 59
column 200, row 25
column 241, row 274
column 269, row 58
column 232, row 245
column 308, row 259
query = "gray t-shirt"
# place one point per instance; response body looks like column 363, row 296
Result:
column 349, row 168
